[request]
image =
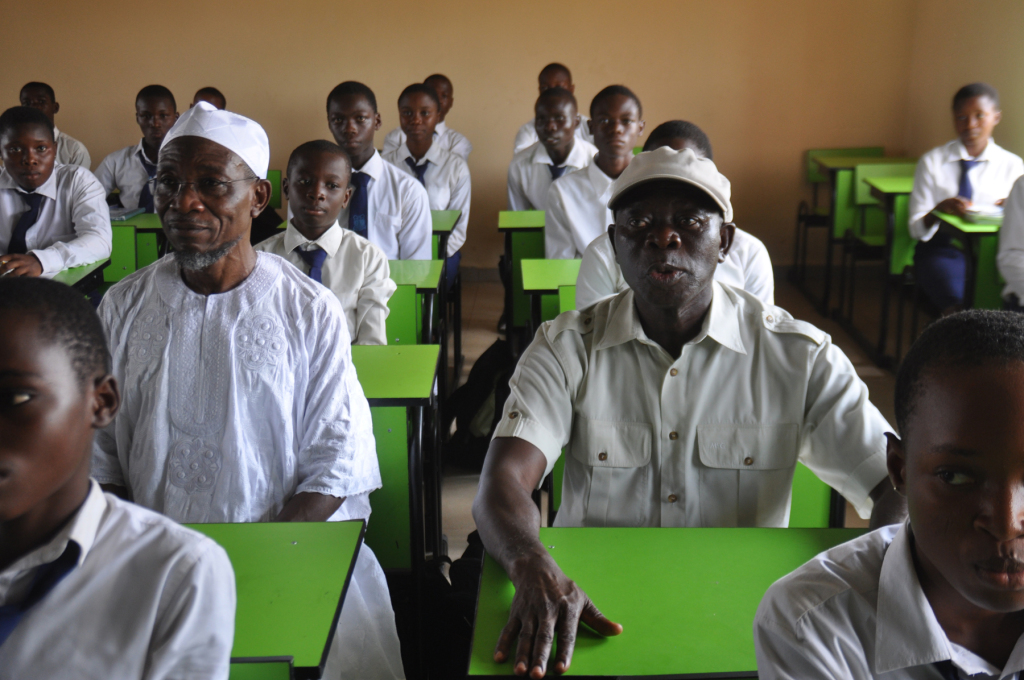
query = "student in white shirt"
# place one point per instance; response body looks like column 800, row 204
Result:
column 969, row 172
column 356, row 271
column 551, row 76
column 577, row 205
column 746, row 265
column 70, row 151
column 90, row 586
column 210, row 95
column 444, row 175
column 558, row 152
column 52, row 216
column 388, row 207
column 444, row 136
column 680, row 402
column 940, row 596
column 129, row 169
column 1010, row 260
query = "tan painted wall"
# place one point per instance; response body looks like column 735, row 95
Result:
column 766, row 79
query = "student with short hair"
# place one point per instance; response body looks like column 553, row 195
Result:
column 210, row 95
column 388, row 207
column 70, row 151
column 52, row 216
column 444, row 136
column 558, row 152
column 130, row 169
column 90, row 585
column 746, row 265
column 577, row 205
column 971, row 171
column 357, row 272
column 940, row 595
column 444, row 175
column 551, row 76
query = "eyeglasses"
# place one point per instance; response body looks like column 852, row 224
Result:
column 207, row 187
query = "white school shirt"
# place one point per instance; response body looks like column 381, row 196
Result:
column 747, row 266
column 73, row 227
column 710, row 439
column 858, row 612
column 937, row 178
column 148, row 599
column 444, row 137
column 123, row 170
column 1010, row 259
column 70, row 151
column 576, row 212
column 355, row 270
column 398, row 212
column 527, row 134
column 447, row 182
column 529, row 173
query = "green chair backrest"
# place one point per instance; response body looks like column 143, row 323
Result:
column 260, row 669
column 402, row 324
column 862, row 192
column 274, row 177
column 811, row 500
column 122, row 253
column 814, row 176
column 388, row 535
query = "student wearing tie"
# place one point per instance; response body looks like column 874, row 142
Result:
column 70, row 151
column 357, row 272
column 559, row 151
column 52, row 216
column 130, row 169
column 388, row 207
column 971, row 171
column 551, row 76
column 444, row 136
column 444, row 175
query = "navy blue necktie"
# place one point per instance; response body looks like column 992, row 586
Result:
column 357, row 211
column 966, row 189
column 947, row 669
column 25, row 222
column 146, row 197
column 556, row 171
column 315, row 259
column 420, row 170
column 46, row 578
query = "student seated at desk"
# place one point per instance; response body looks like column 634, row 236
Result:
column 445, row 138
column 680, row 402
column 52, row 216
column 210, row 95
column 577, row 205
column 243, row 404
column 356, row 271
column 91, row 586
column 70, row 151
column 971, row 171
column 444, row 175
column 130, row 169
column 551, row 76
column 746, row 265
column 388, row 207
column 558, row 152
column 942, row 594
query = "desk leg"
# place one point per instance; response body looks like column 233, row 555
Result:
column 890, row 234
column 829, row 246
column 536, row 315
column 508, row 287
column 416, row 527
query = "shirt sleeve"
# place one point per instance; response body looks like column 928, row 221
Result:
column 80, row 156
column 558, row 242
column 1011, row 242
column 106, row 173
column 596, row 280
column 526, row 136
column 517, row 199
column 90, row 218
column 392, row 141
column 759, row 279
column 784, row 654
column 372, row 305
column 923, row 200
column 461, row 147
column 417, row 229
column 460, row 199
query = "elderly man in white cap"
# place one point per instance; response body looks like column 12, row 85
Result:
column 681, row 401
column 241, row 403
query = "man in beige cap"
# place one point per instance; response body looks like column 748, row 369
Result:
column 679, row 402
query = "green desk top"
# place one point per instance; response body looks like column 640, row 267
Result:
column 685, row 597
column 291, row 578
column 396, row 375
column 424, row 274
column 545, row 276
column 75, row 274
column 444, row 220
column 144, row 222
column 520, row 219
column 827, row 163
column 960, row 224
column 891, row 185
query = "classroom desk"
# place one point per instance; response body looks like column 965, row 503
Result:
column 524, row 238
column 151, row 244
column 291, row 579
column 545, row 277
column 443, row 222
column 426, row 278
column 86, row 278
column 983, row 286
column 685, row 597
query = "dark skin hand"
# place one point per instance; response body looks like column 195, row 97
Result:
column 317, row 187
column 445, row 93
column 616, row 127
column 556, row 122
column 353, row 122
column 29, row 153
column 418, row 115
column 155, row 116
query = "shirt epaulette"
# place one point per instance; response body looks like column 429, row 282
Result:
column 780, row 322
column 580, row 322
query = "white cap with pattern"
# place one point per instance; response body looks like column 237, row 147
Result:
column 681, row 166
column 239, row 134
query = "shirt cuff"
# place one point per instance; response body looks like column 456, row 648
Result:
column 515, row 424
column 52, row 262
column 862, row 481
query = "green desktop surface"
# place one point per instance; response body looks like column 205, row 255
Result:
column 443, row 221
column 424, row 274
column 848, row 163
column 686, row 598
column 520, row 219
column 145, row 221
column 891, row 185
column 961, row 224
column 74, row 275
column 396, row 375
column 547, row 276
column 291, row 578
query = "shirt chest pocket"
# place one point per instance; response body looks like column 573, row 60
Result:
column 615, row 460
column 746, row 473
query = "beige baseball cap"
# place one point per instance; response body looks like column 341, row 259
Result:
column 682, row 166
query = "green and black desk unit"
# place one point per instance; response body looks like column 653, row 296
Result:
column 686, row 598
column 411, row 320
column 543, row 281
column 983, row 285
column 524, row 238
column 291, row 579
column 443, row 223
column 85, row 278
column 151, row 244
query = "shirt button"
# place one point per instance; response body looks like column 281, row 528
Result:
column 769, row 318
column 672, row 498
column 602, row 456
column 673, row 435
column 674, row 372
column 513, row 415
column 748, row 461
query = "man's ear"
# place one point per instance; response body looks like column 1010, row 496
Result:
column 176, row 114
column 611, row 237
column 590, row 127
column 998, row 116
column 56, row 108
column 106, row 399
column 376, row 121
column 348, row 197
column 728, row 234
column 896, row 462
column 284, row 186
column 261, row 197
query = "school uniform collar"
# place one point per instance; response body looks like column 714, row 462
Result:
column 56, row 133
column 721, row 324
column 577, row 158
column 329, row 241
column 440, row 129
column 48, row 188
column 373, row 167
column 435, row 154
column 141, row 153
column 956, row 152
column 907, row 633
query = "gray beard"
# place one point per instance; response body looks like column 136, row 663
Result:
column 193, row 262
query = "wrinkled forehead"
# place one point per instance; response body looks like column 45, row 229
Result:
column 189, row 154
